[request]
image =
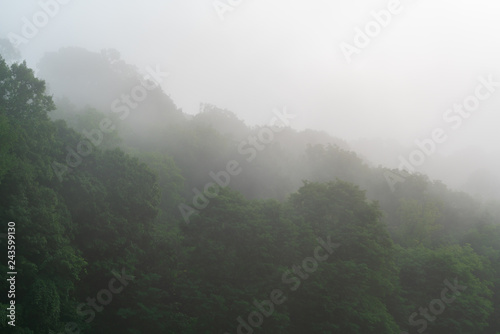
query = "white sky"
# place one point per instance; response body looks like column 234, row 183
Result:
column 273, row 53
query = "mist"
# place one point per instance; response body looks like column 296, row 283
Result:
column 187, row 166
column 254, row 56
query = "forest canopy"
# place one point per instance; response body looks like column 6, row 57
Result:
column 304, row 238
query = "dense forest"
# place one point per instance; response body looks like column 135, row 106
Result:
column 132, row 217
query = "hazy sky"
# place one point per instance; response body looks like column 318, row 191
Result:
column 273, row 53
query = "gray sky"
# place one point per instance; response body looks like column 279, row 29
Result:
column 273, row 53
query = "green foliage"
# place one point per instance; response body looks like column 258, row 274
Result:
column 117, row 211
column 418, row 220
column 423, row 274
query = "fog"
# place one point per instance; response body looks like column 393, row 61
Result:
column 252, row 56
column 244, row 166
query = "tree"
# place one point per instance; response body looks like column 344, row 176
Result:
column 350, row 290
column 46, row 259
column 451, row 284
